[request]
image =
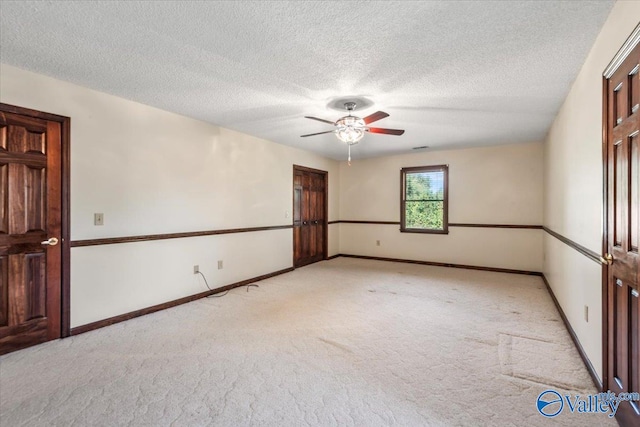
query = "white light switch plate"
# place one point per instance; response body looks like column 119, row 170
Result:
column 98, row 219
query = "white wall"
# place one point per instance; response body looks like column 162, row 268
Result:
column 573, row 185
column 489, row 185
column 150, row 172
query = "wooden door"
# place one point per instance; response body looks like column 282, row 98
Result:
column 316, row 216
column 622, row 304
column 30, row 230
column 309, row 215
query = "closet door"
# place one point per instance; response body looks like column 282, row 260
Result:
column 309, row 215
column 316, row 217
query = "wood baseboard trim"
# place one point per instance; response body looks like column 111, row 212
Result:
column 149, row 237
column 593, row 256
column 583, row 355
column 332, row 257
column 446, row 264
column 126, row 316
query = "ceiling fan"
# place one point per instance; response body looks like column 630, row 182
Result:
column 351, row 129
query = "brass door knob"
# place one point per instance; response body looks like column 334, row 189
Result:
column 607, row 259
column 52, row 241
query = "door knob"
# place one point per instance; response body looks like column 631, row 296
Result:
column 316, row 222
column 607, row 259
column 52, row 241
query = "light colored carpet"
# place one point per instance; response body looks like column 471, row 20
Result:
column 344, row 342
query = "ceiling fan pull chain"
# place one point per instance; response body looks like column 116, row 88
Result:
column 349, row 159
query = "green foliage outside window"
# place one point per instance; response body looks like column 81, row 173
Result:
column 424, row 200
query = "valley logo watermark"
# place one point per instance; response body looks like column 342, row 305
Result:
column 550, row 403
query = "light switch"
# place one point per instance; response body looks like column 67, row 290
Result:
column 98, row 219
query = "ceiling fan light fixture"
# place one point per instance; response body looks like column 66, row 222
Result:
column 350, row 129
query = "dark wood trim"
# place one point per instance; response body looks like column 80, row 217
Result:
column 451, row 224
column 369, row 222
column 623, row 53
column 325, row 231
column 122, row 317
column 604, row 230
column 308, row 169
column 66, row 228
column 584, row 251
column 574, row 337
column 333, row 222
column 7, row 108
column 518, row 226
column 444, row 264
column 149, row 237
column 65, row 270
column 425, row 231
column 333, row 257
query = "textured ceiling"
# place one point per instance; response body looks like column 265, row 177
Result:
column 452, row 73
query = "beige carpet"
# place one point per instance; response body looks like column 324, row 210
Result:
column 345, row 342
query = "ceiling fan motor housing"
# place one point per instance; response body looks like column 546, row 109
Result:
column 350, row 106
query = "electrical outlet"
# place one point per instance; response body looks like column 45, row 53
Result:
column 377, row 242
column 286, row 214
column 196, row 269
column 220, row 266
column 98, row 219
column 586, row 313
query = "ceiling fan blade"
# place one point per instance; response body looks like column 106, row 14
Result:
column 375, row 117
column 385, row 131
column 319, row 133
column 320, row 120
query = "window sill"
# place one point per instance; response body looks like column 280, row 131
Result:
column 421, row 231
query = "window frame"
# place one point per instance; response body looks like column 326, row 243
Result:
column 445, row 200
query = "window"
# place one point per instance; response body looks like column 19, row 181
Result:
column 424, row 199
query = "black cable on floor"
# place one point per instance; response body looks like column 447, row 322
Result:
column 209, row 287
column 220, row 296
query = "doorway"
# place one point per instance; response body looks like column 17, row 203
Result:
column 620, row 295
column 309, row 215
column 34, row 227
